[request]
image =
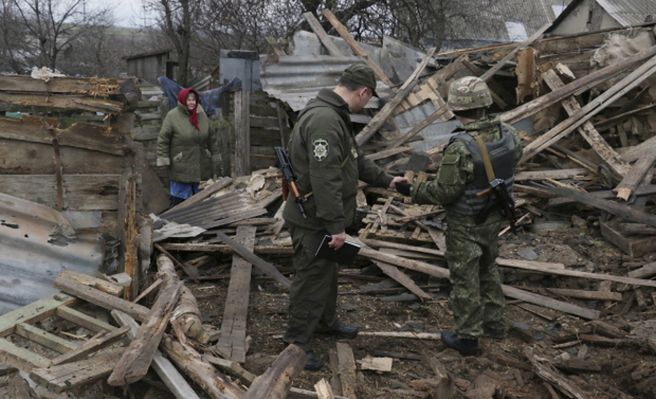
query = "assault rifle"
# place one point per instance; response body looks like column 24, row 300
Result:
column 502, row 198
column 289, row 179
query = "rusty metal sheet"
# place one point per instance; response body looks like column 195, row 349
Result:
column 36, row 244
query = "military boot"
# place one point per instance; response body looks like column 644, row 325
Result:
column 466, row 347
column 313, row 362
column 494, row 333
column 340, row 330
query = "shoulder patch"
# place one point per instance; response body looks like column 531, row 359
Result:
column 320, row 149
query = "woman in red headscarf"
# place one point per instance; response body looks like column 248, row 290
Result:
column 187, row 146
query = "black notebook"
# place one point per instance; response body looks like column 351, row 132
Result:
column 346, row 254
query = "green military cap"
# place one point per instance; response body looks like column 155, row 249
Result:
column 360, row 73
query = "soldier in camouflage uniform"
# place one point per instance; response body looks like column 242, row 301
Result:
column 474, row 220
column 324, row 153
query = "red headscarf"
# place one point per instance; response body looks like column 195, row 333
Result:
column 193, row 113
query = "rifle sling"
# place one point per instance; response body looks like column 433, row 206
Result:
column 487, row 162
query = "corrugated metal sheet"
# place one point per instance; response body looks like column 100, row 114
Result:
column 297, row 79
column 36, row 244
column 629, row 12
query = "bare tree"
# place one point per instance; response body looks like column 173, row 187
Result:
column 13, row 47
column 178, row 19
column 55, row 24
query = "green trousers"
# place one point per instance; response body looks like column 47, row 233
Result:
column 476, row 299
column 313, row 293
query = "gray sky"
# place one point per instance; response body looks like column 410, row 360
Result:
column 125, row 12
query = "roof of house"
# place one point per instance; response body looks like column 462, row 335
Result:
column 625, row 12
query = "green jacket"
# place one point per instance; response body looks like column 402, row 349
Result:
column 191, row 154
column 326, row 159
column 457, row 170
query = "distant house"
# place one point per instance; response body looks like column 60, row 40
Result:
column 594, row 15
column 148, row 66
column 501, row 21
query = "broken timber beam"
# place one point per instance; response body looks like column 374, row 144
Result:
column 395, row 274
column 512, row 292
column 497, row 67
column 171, row 377
column 635, row 176
column 322, row 35
column 575, row 87
column 201, row 372
column 623, row 211
column 136, row 359
column 587, row 130
column 356, row 47
column 592, row 108
column 379, row 119
column 276, row 381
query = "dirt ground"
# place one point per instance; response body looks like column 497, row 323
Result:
column 621, row 370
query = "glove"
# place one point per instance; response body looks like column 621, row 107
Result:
column 403, row 188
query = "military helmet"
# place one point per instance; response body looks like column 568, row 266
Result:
column 469, row 92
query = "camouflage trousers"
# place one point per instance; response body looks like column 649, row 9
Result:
column 313, row 293
column 476, row 299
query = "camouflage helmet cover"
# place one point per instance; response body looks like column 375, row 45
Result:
column 469, row 93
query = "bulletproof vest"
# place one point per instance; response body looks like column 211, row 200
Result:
column 502, row 155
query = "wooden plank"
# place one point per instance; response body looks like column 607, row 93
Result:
column 44, row 338
column 347, row 370
column 69, row 376
column 379, row 119
column 171, row 377
column 95, row 344
column 81, row 192
column 442, row 114
column 20, row 358
column 587, row 130
column 35, row 311
column 635, row 176
column 102, row 299
column 128, row 225
column 84, row 136
column 592, row 108
column 83, row 320
column 266, row 267
column 322, row 35
column 232, row 341
column 387, row 153
column 242, row 154
column 63, row 101
column 227, row 249
column 525, row 265
column 231, row 367
column 556, row 174
column 276, row 381
column 583, row 294
column 620, row 210
column 94, row 87
column 356, row 47
column 395, row 274
column 95, row 282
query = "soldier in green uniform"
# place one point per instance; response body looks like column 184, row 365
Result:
column 325, row 156
column 474, row 215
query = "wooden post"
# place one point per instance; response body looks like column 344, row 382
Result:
column 242, row 154
column 322, row 35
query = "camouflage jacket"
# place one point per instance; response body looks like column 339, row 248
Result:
column 325, row 156
column 457, row 170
